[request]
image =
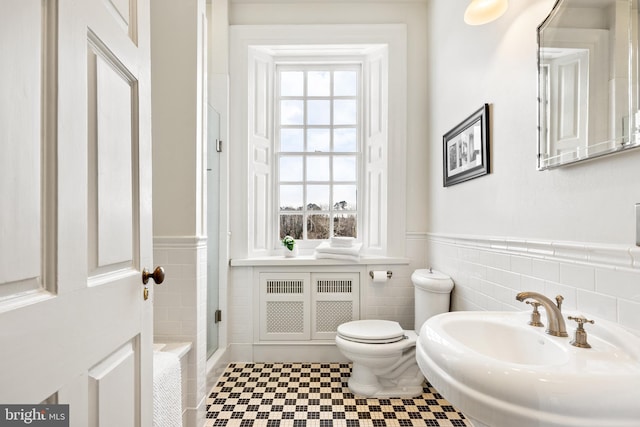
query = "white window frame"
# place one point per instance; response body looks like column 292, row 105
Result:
column 286, row 65
column 253, row 50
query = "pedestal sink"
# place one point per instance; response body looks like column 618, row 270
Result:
column 501, row 372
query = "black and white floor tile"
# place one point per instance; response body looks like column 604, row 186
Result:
column 315, row 395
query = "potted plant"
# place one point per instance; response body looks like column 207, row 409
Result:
column 290, row 248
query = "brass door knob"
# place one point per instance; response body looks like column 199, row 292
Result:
column 157, row 275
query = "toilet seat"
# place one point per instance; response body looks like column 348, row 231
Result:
column 371, row 331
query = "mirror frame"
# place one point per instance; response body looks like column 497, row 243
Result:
column 631, row 129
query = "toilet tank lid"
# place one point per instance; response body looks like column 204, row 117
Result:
column 371, row 329
column 432, row 280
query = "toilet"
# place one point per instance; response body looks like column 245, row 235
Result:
column 383, row 354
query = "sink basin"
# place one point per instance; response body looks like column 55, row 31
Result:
column 520, row 345
column 501, row 372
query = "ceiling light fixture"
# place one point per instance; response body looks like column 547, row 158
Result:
column 483, row 11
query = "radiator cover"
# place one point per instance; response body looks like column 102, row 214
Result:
column 307, row 306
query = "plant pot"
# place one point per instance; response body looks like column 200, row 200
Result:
column 290, row 253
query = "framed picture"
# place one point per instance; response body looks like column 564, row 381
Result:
column 466, row 149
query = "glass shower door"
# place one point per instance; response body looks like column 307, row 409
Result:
column 213, row 212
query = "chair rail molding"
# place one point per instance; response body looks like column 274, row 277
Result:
column 597, row 254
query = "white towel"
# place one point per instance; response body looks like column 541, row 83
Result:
column 167, row 390
column 326, row 248
column 342, row 242
column 354, row 258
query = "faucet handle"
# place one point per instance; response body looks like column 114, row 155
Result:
column 535, row 316
column 580, row 339
column 581, row 320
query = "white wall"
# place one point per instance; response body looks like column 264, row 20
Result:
column 569, row 230
column 497, row 234
column 177, row 121
column 411, row 13
column 496, row 63
column 178, row 75
column 394, row 300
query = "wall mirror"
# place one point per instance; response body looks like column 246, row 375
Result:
column 587, row 81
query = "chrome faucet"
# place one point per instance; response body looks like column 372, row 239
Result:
column 556, row 326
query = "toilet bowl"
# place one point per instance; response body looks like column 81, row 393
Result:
column 383, row 354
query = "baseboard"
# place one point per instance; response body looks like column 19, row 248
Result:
column 297, row 352
column 216, row 365
column 196, row 416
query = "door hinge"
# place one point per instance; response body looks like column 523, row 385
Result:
column 218, row 316
column 219, row 145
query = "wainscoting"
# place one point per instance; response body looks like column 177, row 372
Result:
column 391, row 300
column 602, row 280
column 179, row 306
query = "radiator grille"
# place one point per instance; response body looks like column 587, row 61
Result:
column 334, row 286
column 331, row 314
column 285, row 286
column 298, row 305
column 285, row 317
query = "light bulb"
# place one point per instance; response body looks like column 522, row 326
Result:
column 483, row 11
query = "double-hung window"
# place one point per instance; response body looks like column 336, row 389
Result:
column 318, row 132
column 318, row 137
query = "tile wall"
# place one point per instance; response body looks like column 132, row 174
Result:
column 179, row 307
column 392, row 300
column 601, row 280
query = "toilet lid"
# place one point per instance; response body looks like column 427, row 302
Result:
column 371, row 331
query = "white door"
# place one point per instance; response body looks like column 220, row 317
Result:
column 569, row 93
column 75, row 208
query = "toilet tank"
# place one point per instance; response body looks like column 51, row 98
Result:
column 432, row 290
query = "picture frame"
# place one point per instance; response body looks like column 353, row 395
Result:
column 466, row 149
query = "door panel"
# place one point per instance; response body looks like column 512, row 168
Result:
column 569, row 90
column 111, row 211
column 75, row 218
column 121, row 11
column 21, row 213
column 112, row 394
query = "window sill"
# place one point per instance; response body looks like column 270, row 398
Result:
column 311, row 260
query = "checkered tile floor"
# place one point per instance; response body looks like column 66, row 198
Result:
column 315, row 394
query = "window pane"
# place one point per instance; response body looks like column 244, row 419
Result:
column 318, row 197
column 345, row 168
column 318, row 112
column 344, row 112
column 291, row 198
column 318, row 150
column 318, row 227
column 318, row 140
column 291, row 168
column 291, row 83
column 345, row 226
column 345, row 197
column 344, row 83
column 345, row 140
column 291, row 140
column 318, row 169
column 318, row 83
column 291, row 225
column 291, row 112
